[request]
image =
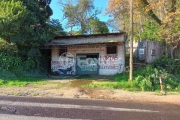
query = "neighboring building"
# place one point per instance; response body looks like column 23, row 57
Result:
column 146, row 51
column 101, row 54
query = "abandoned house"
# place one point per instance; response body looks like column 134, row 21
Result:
column 100, row 54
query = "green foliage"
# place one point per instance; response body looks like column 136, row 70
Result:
column 144, row 83
column 75, row 32
column 12, row 64
column 151, row 31
column 78, row 13
column 55, row 23
column 121, row 77
column 119, row 85
column 147, row 78
column 24, row 25
column 20, row 82
column 150, row 80
column 23, row 29
column 170, row 65
column 97, row 27
column 12, row 14
column 10, row 60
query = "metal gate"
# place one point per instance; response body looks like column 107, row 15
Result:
column 87, row 64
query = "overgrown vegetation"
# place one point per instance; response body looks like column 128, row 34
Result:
column 23, row 29
column 12, row 64
column 147, row 78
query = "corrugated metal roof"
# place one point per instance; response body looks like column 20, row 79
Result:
column 87, row 39
column 92, row 35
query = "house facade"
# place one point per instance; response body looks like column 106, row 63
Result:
column 102, row 54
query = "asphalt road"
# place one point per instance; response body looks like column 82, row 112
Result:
column 36, row 108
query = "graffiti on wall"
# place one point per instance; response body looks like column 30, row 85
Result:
column 110, row 62
column 56, row 66
column 67, row 71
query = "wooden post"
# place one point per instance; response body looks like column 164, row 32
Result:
column 131, row 42
column 160, row 81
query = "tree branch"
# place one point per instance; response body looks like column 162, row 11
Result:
column 150, row 12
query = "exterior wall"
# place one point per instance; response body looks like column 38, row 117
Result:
column 55, row 64
column 115, row 62
column 109, row 64
column 153, row 51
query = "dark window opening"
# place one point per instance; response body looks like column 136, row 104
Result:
column 92, row 56
column 111, row 49
column 62, row 51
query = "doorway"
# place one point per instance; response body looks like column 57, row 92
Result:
column 87, row 64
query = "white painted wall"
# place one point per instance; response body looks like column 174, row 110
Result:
column 116, row 61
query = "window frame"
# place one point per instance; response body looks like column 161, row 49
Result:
column 112, row 51
column 64, row 50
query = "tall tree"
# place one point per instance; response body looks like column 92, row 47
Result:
column 162, row 14
column 96, row 26
column 55, row 23
column 78, row 12
column 23, row 24
column 11, row 16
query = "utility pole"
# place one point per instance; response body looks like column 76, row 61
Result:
column 131, row 41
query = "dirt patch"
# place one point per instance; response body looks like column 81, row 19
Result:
column 79, row 83
column 73, row 89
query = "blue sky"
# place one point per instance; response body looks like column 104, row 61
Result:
column 57, row 13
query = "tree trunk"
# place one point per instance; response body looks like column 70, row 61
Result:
column 171, row 51
column 131, row 42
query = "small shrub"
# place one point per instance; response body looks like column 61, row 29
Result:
column 139, row 79
column 146, row 85
column 147, row 78
column 172, row 66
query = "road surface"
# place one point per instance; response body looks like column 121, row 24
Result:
column 39, row 108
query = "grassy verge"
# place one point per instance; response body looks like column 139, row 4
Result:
column 145, row 79
column 119, row 81
column 21, row 82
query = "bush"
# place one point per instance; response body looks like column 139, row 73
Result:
column 147, row 78
column 170, row 65
column 14, row 64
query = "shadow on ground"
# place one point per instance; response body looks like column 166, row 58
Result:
column 83, row 77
